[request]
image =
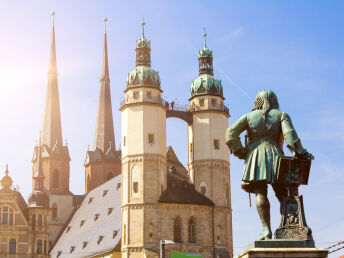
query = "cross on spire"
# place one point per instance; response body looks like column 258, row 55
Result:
column 205, row 37
column 143, row 26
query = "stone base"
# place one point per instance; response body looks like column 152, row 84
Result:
column 283, row 249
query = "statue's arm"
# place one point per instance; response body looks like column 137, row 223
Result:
column 233, row 137
column 292, row 140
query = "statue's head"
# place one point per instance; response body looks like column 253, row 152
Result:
column 266, row 100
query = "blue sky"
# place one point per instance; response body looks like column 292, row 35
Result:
column 292, row 47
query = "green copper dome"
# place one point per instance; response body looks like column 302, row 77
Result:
column 206, row 84
column 143, row 76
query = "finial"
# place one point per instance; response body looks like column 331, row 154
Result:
column 105, row 21
column 6, row 171
column 143, row 26
column 53, row 15
column 205, row 37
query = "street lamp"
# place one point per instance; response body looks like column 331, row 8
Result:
column 162, row 246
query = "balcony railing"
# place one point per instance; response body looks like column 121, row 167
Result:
column 171, row 105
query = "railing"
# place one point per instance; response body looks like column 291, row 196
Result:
column 143, row 99
column 171, row 105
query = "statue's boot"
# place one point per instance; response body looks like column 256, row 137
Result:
column 263, row 208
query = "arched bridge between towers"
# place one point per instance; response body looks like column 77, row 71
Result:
column 173, row 110
column 179, row 111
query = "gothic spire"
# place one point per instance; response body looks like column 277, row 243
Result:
column 104, row 136
column 52, row 131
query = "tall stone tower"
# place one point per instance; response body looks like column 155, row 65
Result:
column 143, row 153
column 208, row 154
column 55, row 155
column 103, row 162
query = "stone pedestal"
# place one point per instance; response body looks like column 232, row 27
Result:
column 283, row 249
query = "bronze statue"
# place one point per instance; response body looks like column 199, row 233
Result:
column 267, row 127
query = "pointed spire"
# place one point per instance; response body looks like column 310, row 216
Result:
column 105, row 67
column 104, row 128
column 52, row 131
column 52, row 65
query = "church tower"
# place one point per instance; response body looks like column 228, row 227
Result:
column 55, row 155
column 51, row 156
column 103, row 162
column 208, row 155
column 143, row 154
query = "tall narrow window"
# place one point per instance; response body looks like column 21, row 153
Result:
column 54, row 211
column 203, row 188
column 39, row 220
column 45, row 246
column 124, row 140
column 213, row 102
column 124, row 234
column 39, row 246
column 149, row 94
column 218, row 234
column 4, row 215
column 135, row 179
column 33, row 220
column 150, row 138
column 177, row 230
column 191, row 230
column 191, row 147
column 56, row 179
column 12, row 246
column 136, row 94
column 227, row 194
column 201, row 102
column 216, row 144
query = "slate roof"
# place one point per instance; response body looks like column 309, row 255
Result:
column 182, row 191
column 95, row 227
column 179, row 188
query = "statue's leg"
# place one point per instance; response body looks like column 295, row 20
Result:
column 263, row 208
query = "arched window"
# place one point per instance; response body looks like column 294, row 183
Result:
column 39, row 246
column 218, row 234
column 177, row 230
column 203, row 188
column 56, row 179
column 6, row 215
column 135, row 179
column 191, row 230
column 54, row 211
column 33, row 220
column 39, row 220
column 12, row 246
column 109, row 176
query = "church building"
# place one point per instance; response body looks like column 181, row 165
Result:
column 138, row 195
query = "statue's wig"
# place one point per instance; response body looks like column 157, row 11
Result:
column 265, row 101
